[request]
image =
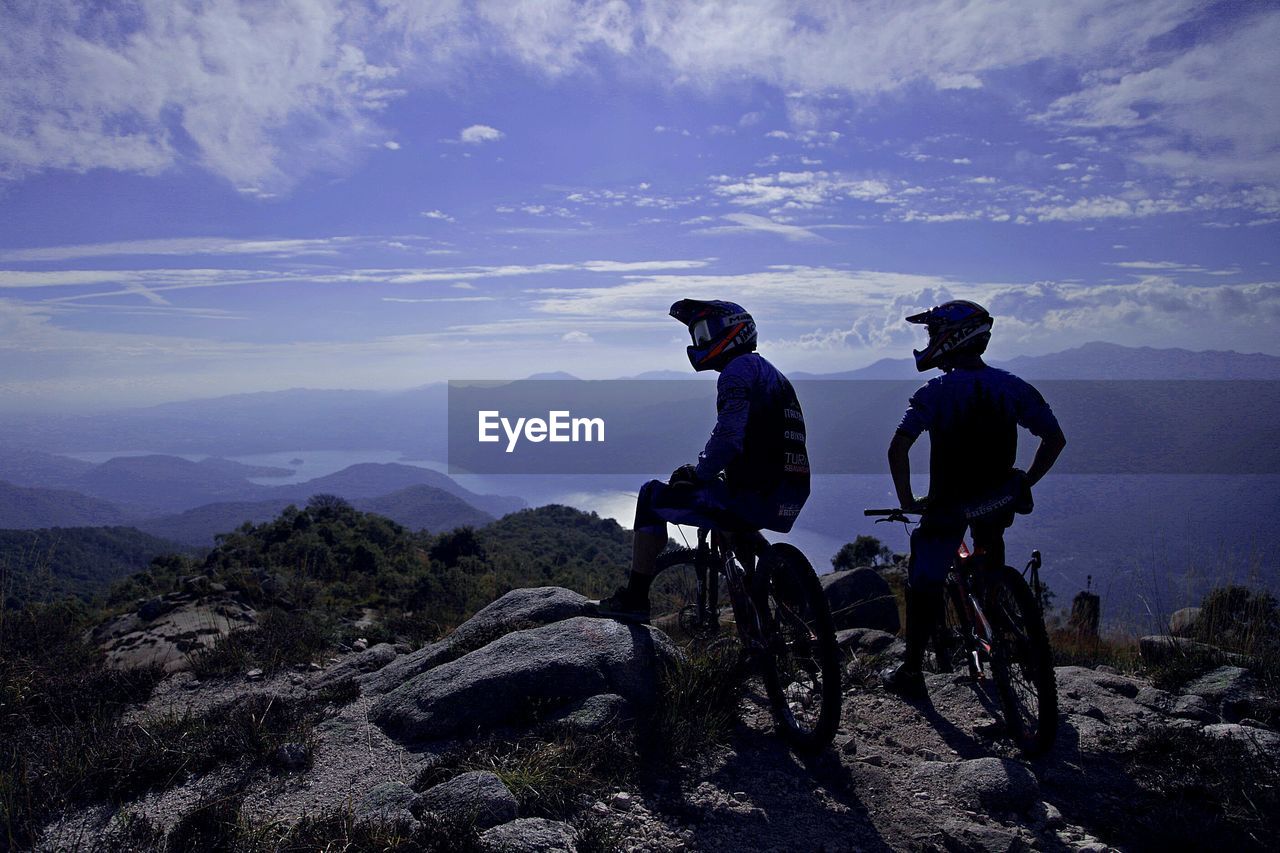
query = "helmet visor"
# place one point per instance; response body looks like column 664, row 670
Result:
column 701, row 333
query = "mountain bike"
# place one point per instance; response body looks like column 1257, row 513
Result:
column 995, row 625
column 783, row 621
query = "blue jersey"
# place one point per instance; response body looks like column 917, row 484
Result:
column 759, row 437
column 972, row 417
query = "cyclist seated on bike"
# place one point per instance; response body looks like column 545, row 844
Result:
column 971, row 413
column 753, row 472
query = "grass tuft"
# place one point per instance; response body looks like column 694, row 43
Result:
column 1214, row 793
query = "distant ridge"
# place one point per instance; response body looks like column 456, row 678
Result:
column 1096, row 360
column 416, row 507
column 23, row 507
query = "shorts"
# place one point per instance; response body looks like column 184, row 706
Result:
column 936, row 540
column 712, row 504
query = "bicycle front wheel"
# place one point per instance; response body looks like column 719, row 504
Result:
column 688, row 594
column 1022, row 662
column 801, row 664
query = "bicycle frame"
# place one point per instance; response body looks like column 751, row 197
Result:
column 976, row 620
column 719, row 556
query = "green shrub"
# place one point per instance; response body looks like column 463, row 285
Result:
column 549, row 777
column 1210, row 793
column 698, row 698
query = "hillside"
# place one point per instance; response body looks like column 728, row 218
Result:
column 30, row 507
column 373, row 480
column 45, row 565
column 158, row 483
column 417, row 507
column 423, row 507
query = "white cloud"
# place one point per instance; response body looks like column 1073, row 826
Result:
column 479, row 133
column 391, row 145
column 1210, row 111
column 577, row 337
column 1106, row 207
column 239, row 84
column 749, row 223
column 797, row 190
column 439, row 299
column 437, row 214
column 262, row 94
column 184, row 246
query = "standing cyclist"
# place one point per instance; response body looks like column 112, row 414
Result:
column 758, row 444
column 971, row 413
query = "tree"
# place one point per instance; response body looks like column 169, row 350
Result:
column 863, row 551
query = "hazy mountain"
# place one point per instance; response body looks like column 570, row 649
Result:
column 372, row 480
column 27, row 507
column 554, row 374
column 1096, row 360
column 33, row 468
column 198, row 526
column 1100, row 360
column 244, row 424
column 156, row 484
column 426, row 508
column 417, row 507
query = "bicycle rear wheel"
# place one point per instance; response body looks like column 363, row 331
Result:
column 1022, row 662
column 801, row 664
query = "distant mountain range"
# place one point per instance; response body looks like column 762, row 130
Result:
column 417, row 507
column 189, row 502
column 414, row 421
column 1097, row 360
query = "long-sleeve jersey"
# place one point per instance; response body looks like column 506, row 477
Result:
column 759, row 436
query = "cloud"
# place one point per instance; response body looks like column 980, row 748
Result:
column 745, row 223
column 577, row 337
column 477, row 134
column 1106, row 207
column 797, row 190
column 437, row 214
column 1209, row 111
column 440, row 299
column 236, row 87
column 263, row 94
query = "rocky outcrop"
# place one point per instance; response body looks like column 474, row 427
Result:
column 520, row 608
column 167, row 630
column 495, row 685
column 530, row 835
column 478, row 798
column 861, row 598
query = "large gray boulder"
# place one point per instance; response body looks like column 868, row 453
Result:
column 861, row 598
column 387, row 801
column 517, row 610
column 990, row 784
column 478, row 797
column 353, row 666
column 530, row 835
column 1222, row 684
column 168, row 631
column 495, row 685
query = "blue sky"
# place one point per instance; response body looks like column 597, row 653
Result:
column 214, row 197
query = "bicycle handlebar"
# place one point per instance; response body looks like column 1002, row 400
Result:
column 895, row 514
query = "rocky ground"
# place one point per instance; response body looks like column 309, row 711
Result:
column 935, row 775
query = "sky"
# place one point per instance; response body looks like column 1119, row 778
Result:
column 203, row 198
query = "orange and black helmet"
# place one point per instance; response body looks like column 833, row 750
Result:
column 721, row 331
